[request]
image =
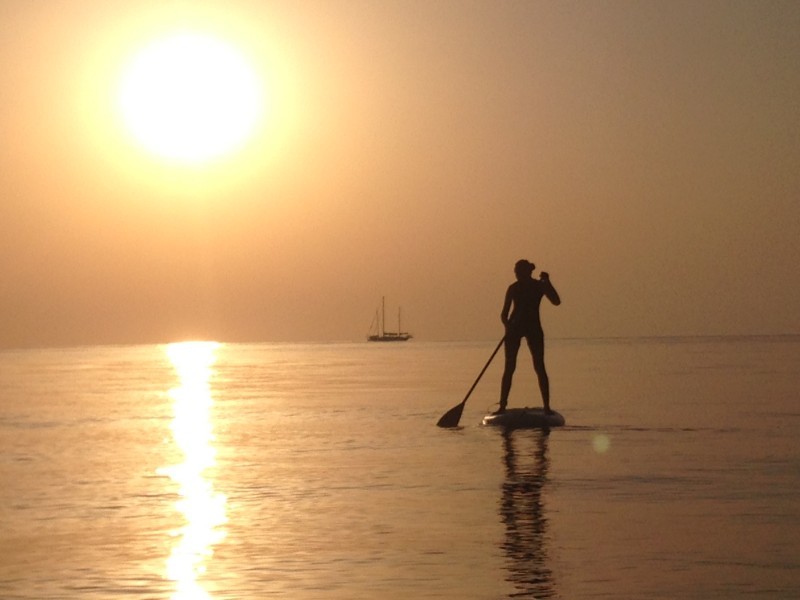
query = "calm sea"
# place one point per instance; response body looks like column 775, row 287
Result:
column 224, row 471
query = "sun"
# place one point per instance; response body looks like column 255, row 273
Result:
column 190, row 98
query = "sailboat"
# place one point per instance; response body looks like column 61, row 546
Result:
column 378, row 331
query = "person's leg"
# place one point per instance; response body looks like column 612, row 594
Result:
column 511, row 348
column 536, row 345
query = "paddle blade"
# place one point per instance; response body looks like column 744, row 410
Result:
column 452, row 416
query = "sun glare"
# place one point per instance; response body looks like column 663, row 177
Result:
column 190, row 98
column 202, row 507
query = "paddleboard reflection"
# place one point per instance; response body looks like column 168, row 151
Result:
column 522, row 512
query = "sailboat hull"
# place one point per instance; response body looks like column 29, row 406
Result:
column 390, row 337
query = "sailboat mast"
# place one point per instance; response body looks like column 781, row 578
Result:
column 383, row 315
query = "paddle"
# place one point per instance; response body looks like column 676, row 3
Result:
column 453, row 416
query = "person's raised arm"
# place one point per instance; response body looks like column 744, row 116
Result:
column 549, row 290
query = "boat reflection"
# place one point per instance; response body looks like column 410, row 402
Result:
column 202, row 508
column 522, row 512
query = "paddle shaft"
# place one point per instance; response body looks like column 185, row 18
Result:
column 453, row 416
column 483, row 370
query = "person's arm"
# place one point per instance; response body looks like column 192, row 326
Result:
column 506, row 307
column 549, row 290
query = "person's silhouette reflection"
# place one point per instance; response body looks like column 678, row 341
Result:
column 522, row 512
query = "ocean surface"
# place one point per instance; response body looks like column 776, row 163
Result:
column 316, row 471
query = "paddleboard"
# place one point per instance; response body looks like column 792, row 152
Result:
column 525, row 418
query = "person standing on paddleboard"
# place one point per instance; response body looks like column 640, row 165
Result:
column 522, row 302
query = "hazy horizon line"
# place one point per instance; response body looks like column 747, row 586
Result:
column 598, row 338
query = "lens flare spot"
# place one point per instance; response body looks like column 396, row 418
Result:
column 601, row 443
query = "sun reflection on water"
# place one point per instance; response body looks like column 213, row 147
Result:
column 202, row 507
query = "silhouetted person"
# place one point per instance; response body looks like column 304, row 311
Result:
column 525, row 295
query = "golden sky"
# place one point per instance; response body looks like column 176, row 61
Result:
column 645, row 154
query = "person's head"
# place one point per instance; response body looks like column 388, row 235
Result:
column 523, row 268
